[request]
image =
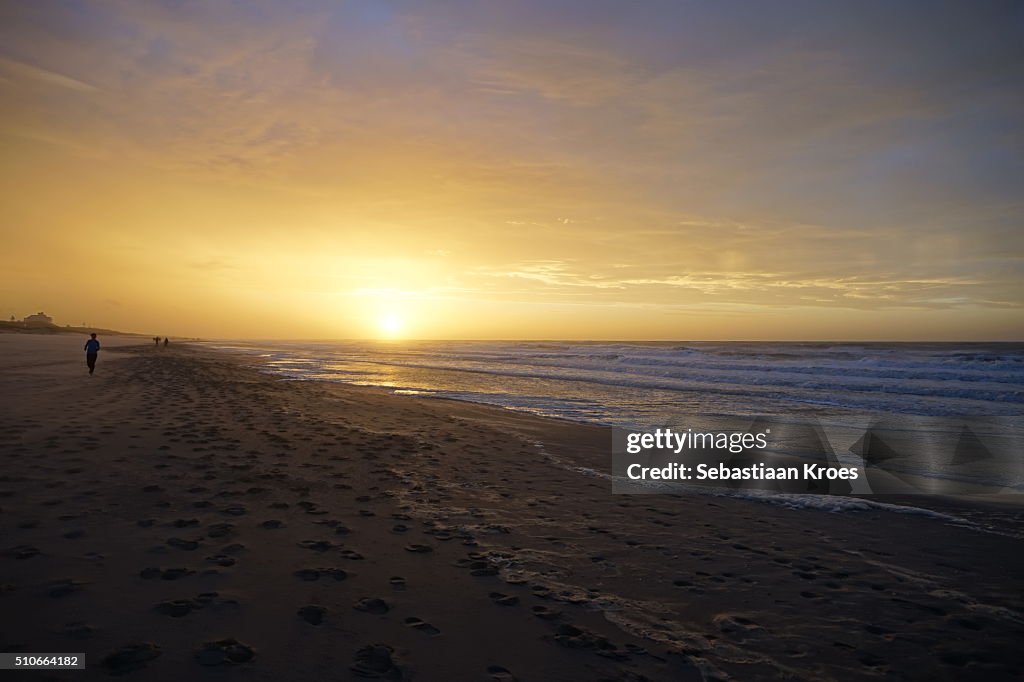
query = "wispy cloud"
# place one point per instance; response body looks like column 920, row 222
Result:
column 20, row 70
column 883, row 290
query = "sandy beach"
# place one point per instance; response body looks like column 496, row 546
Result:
column 183, row 515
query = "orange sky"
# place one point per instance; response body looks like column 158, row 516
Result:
column 514, row 170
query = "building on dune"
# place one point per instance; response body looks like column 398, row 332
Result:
column 38, row 318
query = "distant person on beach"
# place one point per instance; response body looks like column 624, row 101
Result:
column 156, row 340
column 166, row 341
column 92, row 349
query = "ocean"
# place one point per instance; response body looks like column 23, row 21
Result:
column 643, row 384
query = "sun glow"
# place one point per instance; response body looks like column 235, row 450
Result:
column 390, row 326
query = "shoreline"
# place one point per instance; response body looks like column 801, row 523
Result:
column 942, row 504
column 712, row 383
column 431, row 539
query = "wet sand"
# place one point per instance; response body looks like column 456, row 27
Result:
column 181, row 515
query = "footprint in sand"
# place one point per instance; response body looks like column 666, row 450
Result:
column 377, row 661
column 311, row 574
column 312, row 614
column 577, row 638
column 224, row 652
column 221, row 560
column 179, row 543
column 500, row 674
column 153, row 573
column 737, row 626
column 397, row 582
column 176, row 608
column 419, row 549
column 421, row 626
column 546, row 613
column 504, row 599
column 482, row 571
column 130, row 657
column 374, row 605
column 220, row 530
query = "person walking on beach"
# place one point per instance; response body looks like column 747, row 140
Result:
column 166, row 341
column 92, row 349
column 156, row 341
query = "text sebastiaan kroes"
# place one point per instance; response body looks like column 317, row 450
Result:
column 683, row 442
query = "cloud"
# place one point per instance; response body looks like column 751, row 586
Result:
column 561, row 70
column 554, row 273
column 20, row 70
column 866, row 291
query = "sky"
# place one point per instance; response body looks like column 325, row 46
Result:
column 527, row 170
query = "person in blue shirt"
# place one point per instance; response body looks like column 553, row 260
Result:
column 92, row 349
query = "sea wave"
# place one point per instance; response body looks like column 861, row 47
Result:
column 616, row 379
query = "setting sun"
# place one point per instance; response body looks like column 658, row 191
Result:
column 390, row 326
